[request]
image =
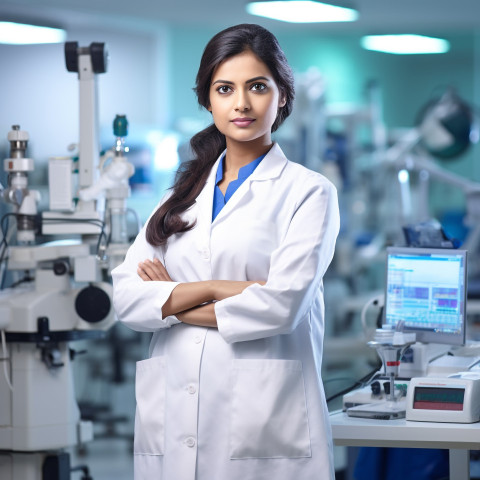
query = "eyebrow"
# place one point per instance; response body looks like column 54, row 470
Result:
column 251, row 80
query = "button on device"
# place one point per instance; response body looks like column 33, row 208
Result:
column 190, row 442
column 191, row 389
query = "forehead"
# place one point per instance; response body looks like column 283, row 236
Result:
column 240, row 67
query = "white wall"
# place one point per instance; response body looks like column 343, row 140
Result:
column 42, row 97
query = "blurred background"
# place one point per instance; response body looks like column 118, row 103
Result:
column 396, row 133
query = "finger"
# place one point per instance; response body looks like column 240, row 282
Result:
column 163, row 270
column 141, row 273
column 155, row 270
column 148, row 270
column 159, row 269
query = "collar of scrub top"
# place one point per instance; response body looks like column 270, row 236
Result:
column 220, row 200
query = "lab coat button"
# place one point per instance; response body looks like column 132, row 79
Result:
column 190, row 442
column 206, row 254
column 197, row 339
column 191, row 389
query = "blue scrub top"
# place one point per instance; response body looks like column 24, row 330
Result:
column 219, row 201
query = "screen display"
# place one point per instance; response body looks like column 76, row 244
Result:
column 426, row 289
column 437, row 398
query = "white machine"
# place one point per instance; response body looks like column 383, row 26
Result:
column 455, row 399
column 64, row 295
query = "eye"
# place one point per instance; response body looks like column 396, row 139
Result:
column 224, row 89
column 258, row 87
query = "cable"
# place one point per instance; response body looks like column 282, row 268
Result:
column 102, row 235
column 92, row 221
column 4, row 246
column 25, row 279
column 4, row 226
column 365, row 380
column 337, row 379
column 137, row 219
column 4, row 242
column 5, row 358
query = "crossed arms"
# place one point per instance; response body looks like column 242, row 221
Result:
column 192, row 302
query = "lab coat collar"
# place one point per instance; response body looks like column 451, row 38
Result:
column 270, row 167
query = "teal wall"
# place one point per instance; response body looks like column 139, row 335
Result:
column 186, row 50
column 407, row 82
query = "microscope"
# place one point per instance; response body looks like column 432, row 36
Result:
column 64, row 294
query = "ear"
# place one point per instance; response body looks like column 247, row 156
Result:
column 209, row 108
column 282, row 102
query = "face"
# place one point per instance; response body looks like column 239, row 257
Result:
column 244, row 99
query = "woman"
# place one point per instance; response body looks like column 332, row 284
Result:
column 228, row 275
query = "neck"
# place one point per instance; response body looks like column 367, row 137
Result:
column 240, row 154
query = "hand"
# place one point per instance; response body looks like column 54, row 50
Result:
column 228, row 288
column 203, row 316
column 149, row 270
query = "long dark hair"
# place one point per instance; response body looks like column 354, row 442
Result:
column 208, row 144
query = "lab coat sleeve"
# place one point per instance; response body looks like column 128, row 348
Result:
column 137, row 303
column 295, row 277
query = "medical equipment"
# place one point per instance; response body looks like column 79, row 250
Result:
column 390, row 345
column 377, row 391
column 425, row 300
column 436, row 134
column 68, row 214
column 115, row 170
column 61, row 299
column 455, row 399
column 17, row 192
column 426, row 289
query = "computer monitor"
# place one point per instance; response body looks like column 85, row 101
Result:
column 426, row 288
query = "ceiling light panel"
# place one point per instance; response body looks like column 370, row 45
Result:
column 302, row 11
column 22, row 34
column 405, row 44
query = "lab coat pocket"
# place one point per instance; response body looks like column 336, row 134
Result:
column 150, row 414
column 269, row 413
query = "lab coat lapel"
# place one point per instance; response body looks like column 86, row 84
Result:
column 204, row 203
column 270, row 167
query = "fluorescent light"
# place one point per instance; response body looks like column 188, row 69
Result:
column 165, row 150
column 403, row 176
column 405, row 44
column 23, row 34
column 302, row 11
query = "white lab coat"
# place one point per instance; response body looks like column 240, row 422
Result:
column 245, row 401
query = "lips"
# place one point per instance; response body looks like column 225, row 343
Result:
column 243, row 121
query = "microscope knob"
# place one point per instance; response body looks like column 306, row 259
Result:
column 71, row 56
column 61, row 267
column 93, row 304
column 99, row 56
column 386, row 387
column 375, row 386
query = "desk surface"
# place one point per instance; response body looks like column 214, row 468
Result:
column 352, row 431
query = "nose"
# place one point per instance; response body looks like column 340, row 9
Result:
column 242, row 104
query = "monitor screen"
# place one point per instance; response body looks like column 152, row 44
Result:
column 426, row 288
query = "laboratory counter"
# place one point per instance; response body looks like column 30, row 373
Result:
column 458, row 438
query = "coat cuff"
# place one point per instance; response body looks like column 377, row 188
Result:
column 224, row 322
